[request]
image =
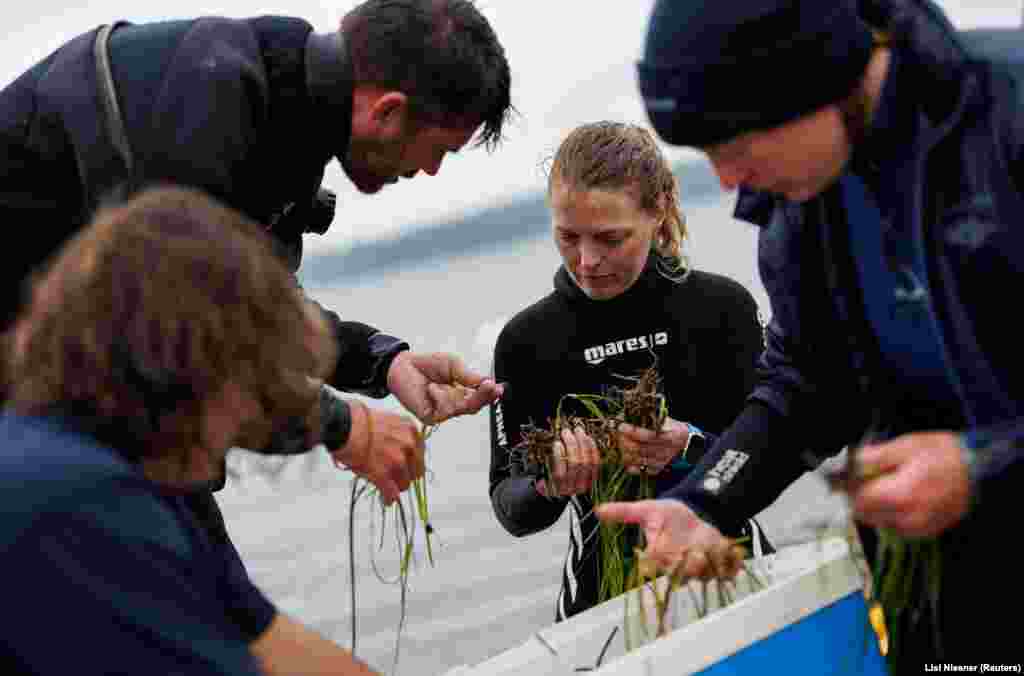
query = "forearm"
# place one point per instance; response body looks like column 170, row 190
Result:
column 520, row 509
column 289, row 648
column 364, row 356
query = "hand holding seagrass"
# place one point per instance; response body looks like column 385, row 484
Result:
column 575, row 464
column 384, row 448
column 918, row 484
column 436, row 386
column 647, row 451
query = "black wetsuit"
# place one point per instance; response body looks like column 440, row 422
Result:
column 704, row 336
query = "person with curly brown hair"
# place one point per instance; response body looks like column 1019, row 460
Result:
column 163, row 334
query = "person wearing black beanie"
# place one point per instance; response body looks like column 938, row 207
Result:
column 713, row 70
column 880, row 151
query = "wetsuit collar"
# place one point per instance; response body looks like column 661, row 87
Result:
column 648, row 280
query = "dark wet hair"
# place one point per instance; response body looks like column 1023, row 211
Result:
column 443, row 54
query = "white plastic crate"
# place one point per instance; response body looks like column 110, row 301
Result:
column 809, row 618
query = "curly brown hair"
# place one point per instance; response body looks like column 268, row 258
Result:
column 154, row 308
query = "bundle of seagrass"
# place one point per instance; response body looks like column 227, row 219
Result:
column 407, row 515
column 641, row 404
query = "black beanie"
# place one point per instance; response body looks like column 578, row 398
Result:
column 714, row 69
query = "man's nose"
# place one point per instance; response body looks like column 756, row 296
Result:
column 730, row 174
column 590, row 256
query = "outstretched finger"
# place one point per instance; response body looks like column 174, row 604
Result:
column 460, row 374
column 475, row 399
column 625, row 512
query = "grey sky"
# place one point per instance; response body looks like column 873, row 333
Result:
column 572, row 62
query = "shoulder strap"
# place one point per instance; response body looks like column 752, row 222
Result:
column 112, row 119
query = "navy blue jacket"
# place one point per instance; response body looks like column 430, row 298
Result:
column 820, row 385
column 222, row 105
column 106, row 572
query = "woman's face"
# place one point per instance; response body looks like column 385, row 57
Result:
column 603, row 236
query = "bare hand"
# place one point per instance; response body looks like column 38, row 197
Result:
column 922, row 489
column 575, row 465
column 384, row 448
column 437, row 386
column 649, row 451
column 677, row 539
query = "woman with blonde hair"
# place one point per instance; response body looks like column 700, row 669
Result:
column 625, row 298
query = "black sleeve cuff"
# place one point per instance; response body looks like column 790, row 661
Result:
column 335, row 419
column 253, row 615
column 299, row 435
column 383, row 350
column 521, row 509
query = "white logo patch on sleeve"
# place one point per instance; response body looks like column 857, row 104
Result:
column 719, row 476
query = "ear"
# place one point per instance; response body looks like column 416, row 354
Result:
column 388, row 113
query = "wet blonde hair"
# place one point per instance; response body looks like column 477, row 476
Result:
column 617, row 156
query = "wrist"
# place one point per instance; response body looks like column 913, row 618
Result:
column 360, row 437
column 693, row 449
column 386, row 350
column 335, row 420
column 391, row 364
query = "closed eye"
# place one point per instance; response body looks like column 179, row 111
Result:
column 613, row 238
